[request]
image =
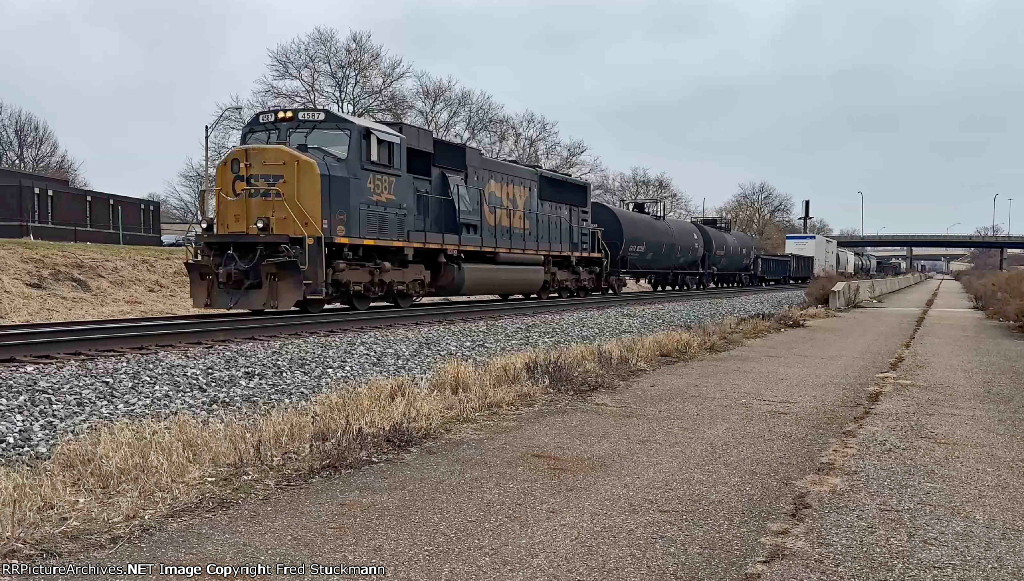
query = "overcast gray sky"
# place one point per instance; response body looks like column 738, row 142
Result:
column 917, row 104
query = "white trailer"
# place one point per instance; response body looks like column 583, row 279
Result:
column 824, row 251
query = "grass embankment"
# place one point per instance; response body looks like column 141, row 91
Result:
column 999, row 294
column 54, row 281
column 98, row 485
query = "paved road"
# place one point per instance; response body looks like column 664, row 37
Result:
column 936, row 487
column 676, row 476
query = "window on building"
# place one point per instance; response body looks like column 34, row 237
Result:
column 142, row 218
column 49, row 206
column 88, row 211
column 152, row 219
column 35, row 207
column 111, row 215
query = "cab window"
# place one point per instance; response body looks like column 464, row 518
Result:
column 258, row 137
column 383, row 149
column 335, row 141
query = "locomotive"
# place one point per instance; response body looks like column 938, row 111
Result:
column 315, row 207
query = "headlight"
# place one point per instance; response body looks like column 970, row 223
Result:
column 280, row 115
column 289, row 115
column 263, row 224
column 204, row 224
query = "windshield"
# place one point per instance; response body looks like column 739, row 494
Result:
column 260, row 137
column 333, row 140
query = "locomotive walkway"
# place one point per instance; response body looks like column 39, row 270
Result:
column 715, row 469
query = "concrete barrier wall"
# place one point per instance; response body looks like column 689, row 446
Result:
column 847, row 294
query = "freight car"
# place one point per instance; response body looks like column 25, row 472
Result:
column 644, row 244
column 771, row 269
column 801, row 268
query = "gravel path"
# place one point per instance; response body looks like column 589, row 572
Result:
column 40, row 403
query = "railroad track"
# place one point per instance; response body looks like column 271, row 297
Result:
column 37, row 343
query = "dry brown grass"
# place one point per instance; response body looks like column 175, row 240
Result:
column 817, row 292
column 999, row 294
column 118, row 475
column 54, row 281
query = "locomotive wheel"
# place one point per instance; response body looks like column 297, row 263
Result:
column 582, row 292
column 359, row 301
column 544, row 293
column 564, row 292
column 604, row 290
column 616, row 289
column 311, row 306
column 504, row 297
column 402, row 300
column 527, row 295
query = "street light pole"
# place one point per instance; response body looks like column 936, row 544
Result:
column 879, row 230
column 950, row 226
column 861, row 213
column 206, row 156
column 993, row 232
column 1009, row 216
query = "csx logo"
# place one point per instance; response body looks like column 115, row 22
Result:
column 637, row 248
column 259, row 185
column 513, row 205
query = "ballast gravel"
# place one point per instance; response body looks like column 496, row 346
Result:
column 41, row 403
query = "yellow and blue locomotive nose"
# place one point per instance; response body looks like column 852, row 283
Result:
column 268, row 189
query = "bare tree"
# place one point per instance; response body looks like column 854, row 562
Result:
column 167, row 213
column 350, row 74
column 641, row 183
column 181, row 200
column 451, row 110
column 996, row 230
column 849, row 231
column 530, row 138
column 987, row 258
column 761, row 210
column 27, row 143
column 819, row 226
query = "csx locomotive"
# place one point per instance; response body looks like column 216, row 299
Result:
column 316, row 207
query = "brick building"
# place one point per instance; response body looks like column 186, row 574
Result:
column 46, row 208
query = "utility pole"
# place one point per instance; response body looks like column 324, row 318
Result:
column 861, row 213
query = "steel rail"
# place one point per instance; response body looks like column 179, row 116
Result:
column 93, row 337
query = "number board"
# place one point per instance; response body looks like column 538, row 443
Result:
column 266, row 117
column 312, row 115
column 382, row 188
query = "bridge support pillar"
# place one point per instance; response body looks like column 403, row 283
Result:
column 910, row 259
column 1002, row 259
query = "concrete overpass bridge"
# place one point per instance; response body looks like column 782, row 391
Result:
column 947, row 244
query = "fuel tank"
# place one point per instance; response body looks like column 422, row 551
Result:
column 641, row 242
column 488, row 279
column 727, row 251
